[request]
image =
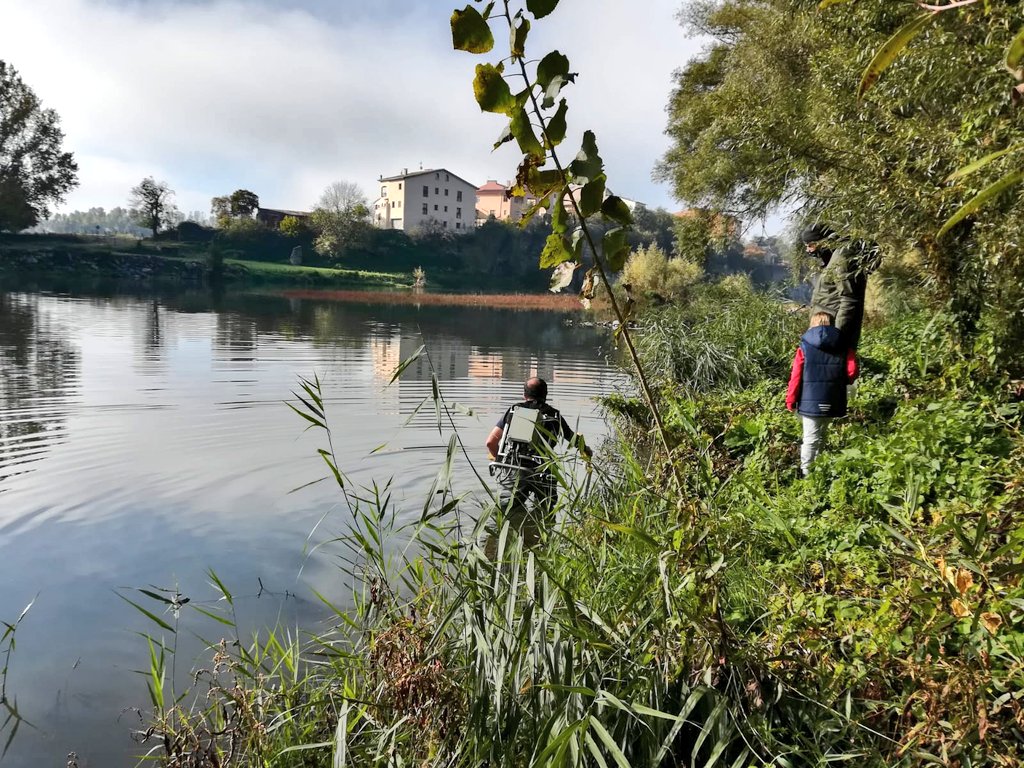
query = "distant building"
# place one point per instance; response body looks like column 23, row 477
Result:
column 272, row 217
column 434, row 197
column 492, row 199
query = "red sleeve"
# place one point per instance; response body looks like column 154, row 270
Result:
column 795, row 379
column 851, row 366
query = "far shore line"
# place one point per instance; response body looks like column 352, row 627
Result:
column 553, row 302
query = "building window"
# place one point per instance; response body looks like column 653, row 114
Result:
column 426, row 191
column 399, row 185
column 446, row 177
column 383, row 191
column 424, row 209
column 435, row 207
column 437, row 175
column 445, row 223
column 437, row 191
column 446, row 209
column 458, row 196
column 458, row 213
column 446, row 191
column 458, row 225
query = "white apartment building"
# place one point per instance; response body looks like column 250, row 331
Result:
column 425, row 198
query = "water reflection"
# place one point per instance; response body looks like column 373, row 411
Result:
column 161, row 446
column 37, row 369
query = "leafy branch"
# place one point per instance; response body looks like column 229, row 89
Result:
column 579, row 187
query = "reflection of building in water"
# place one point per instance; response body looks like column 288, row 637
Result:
column 574, row 376
column 450, row 358
column 485, row 365
column 385, row 355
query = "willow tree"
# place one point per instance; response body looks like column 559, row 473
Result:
column 779, row 112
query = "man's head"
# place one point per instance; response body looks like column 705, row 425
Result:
column 815, row 239
column 535, row 389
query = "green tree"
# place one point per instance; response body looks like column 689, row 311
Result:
column 244, row 203
column 341, row 220
column 220, row 210
column 292, row 226
column 151, row 206
column 772, row 115
column 35, row 172
column 239, row 204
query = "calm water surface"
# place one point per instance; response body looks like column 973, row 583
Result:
column 144, row 439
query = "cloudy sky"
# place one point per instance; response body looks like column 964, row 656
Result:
column 285, row 96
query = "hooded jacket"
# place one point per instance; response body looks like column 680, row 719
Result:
column 822, row 367
column 841, row 285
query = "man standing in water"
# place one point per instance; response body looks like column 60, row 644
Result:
column 518, row 461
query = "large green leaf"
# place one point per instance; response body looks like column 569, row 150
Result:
column 616, row 209
column 592, row 195
column 557, row 249
column 551, row 66
column 889, row 52
column 588, row 164
column 523, row 131
column 471, row 32
column 491, row 91
column 615, row 249
column 559, row 216
column 542, row 183
column 541, row 8
column 556, row 126
column 986, row 195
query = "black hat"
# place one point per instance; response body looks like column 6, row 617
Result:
column 817, row 232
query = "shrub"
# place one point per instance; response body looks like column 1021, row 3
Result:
column 654, row 277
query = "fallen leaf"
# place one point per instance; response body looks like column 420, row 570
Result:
column 964, row 581
column 992, row 621
column 960, row 610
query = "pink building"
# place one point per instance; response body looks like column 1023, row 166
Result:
column 492, row 200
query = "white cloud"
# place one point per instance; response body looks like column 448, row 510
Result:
column 217, row 95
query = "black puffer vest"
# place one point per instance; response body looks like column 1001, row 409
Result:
column 823, row 389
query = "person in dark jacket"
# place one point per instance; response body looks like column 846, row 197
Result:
column 823, row 366
column 532, row 479
column 840, row 287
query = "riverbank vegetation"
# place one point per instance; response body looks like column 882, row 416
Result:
column 137, row 261
column 872, row 612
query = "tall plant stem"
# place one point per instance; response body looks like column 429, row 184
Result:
column 619, row 315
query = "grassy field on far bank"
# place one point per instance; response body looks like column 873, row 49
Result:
column 272, row 272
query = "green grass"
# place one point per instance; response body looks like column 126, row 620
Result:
column 276, row 272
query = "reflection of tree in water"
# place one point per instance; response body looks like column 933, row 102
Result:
column 36, row 368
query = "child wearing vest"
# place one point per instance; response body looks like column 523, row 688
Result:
column 822, row 368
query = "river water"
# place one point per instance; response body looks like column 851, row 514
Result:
column 145, row 439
